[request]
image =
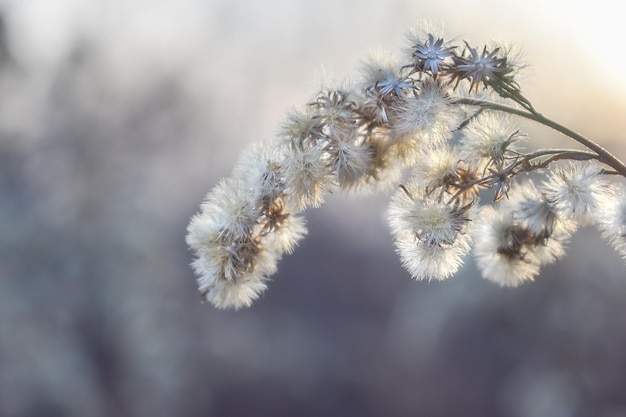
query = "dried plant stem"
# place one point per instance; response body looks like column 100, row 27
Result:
column 603, row 155
column 557, row 154
column 525, row 164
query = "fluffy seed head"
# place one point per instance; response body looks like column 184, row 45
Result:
column 382, row 74
column 259, row 170
column 499, row 248
column 537, row 213
column 427, row 117
column 578, row 190
column 238, row 237
column 382, row 85
column 442, row 171
column 612, row 220
column 301, row 128
column 430, row 237
column 436, row 167
column 353, row 164
column 490, row 137
column 308, row 175
column 546, row 230
column 229, row 254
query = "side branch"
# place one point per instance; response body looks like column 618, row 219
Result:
column 604, row 156
column 525, row 164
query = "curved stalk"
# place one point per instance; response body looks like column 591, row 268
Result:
column 604, row 156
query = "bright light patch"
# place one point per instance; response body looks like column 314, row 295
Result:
column 601, row 39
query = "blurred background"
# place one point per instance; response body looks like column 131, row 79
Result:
column 117, row 116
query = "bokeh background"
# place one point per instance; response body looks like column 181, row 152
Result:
column 117, row 116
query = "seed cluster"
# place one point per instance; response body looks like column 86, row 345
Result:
column 446, row 114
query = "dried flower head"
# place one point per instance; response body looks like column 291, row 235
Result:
column 491, row 138
column 578, row 190
column 302, row 128
column 436, row 168
column 307, row 174
column 432, row 55
column 242, row 230
column 427, row 117
column 431, row 237
column 231, row 262
column 612, row 220
column 487, row 68
column 500, row 248
column 259, row 169
column 441, row 171
column 353, row 164
column 382, row 74
column 499, row 180
column 336, row 111
column 546, row 230
column 382, row 84
column 538, row 214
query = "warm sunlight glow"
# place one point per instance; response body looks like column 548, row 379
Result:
column 602, row 41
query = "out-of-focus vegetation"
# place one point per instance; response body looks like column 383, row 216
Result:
column 109, row 140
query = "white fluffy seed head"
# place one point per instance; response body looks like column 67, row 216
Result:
column 238, row 242
column 431, row 237
column 228, row 294
column 299, row 126
column 427, row 117
column 532, row 209
column 353, row 164
column 381, row 72
column 429, row 262
column 386, row 168
column 226, row 207
column 495, row 232
column 490, row 137
column 259, row 170
column 612, row 220
column 227, row 255
column 308, row 175
column 436, row 166
column 285, row 238
column 578, row 190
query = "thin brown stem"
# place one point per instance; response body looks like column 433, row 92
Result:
column 603, row 155
column 557, row 155
column 525, row 164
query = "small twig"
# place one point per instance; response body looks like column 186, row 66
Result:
column 603, row 155
column 525, row 162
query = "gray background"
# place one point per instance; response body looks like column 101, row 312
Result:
column 116, row 117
